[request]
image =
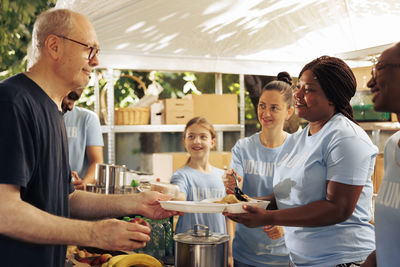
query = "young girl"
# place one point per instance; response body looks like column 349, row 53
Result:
column 253, row 159
column 199, row 180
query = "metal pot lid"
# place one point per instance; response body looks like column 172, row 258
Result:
column 201, row 235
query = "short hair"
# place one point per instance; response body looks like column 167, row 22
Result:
column 282, row 84
column 337, row 81
column 52, row 21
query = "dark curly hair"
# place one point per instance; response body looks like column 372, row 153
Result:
column 337, row 81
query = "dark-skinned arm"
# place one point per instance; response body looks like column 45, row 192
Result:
column 370, row 261
column 340, row 202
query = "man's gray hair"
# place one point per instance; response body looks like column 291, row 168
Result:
column 52, row 21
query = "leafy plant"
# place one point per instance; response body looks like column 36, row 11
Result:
column 16, row 22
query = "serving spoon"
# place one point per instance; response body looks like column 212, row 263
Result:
column 238, row 193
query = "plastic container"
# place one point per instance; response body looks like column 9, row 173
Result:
column 144, row 185
column 156, row 246
column 165, row 188
column 363, row 108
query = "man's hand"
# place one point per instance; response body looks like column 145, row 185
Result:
column 148, row 205
column 77, row 181
column 115, row 234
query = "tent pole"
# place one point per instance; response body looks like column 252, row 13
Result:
column 218, row 91
column 241, row 106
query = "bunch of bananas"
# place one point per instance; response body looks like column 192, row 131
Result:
column 139, row 259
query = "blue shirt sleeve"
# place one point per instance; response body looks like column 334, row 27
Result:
column 179, row 179
column 351, row 161
column 93, row 129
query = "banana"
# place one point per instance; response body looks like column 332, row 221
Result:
column 139, row 260
column 114, row 260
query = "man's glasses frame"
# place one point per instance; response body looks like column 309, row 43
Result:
column 380, row 66
column 93, row 50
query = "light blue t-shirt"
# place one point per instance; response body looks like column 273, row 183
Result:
column 198, row 186
column 387, row 207
column 255, row 163
column 83, row 129
column 342, row 152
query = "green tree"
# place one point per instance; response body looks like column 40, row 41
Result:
column 16, row 23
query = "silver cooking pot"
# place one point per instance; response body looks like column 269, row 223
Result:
column 201, row 248
column 110, row 178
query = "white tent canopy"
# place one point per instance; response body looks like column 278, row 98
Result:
column 237, row 36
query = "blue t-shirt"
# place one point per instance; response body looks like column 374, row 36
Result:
column 387, row 207
column 83, row 130
column 255, row 163
column 198, row 186
column 342, row 152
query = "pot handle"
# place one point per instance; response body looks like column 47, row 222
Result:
column 201, row 230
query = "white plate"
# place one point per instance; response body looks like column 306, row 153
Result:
column 192, row 206
column 207, row 206
column 237, row 207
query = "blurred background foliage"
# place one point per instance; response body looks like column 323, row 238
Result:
column 16, row 23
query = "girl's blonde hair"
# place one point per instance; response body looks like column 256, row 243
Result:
column 202, row 122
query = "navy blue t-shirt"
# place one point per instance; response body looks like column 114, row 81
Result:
column 33, row 155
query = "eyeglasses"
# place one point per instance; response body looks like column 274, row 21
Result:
column 380, row 66
column 93, row 50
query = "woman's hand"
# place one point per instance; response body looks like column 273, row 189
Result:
column 229, row 181
column 255, row 216
column 273, row 232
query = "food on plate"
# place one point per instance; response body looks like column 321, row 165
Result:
column 231, row 199
column 138, row 259
column 84, row 256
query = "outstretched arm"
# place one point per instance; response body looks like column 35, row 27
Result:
column 86, row 205
column 21, row 220
column 340, row 202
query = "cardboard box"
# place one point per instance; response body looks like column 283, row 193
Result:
column 378, row 173
column 177, row 111
column 218, row 109
column 156, row 113
column 165, row 164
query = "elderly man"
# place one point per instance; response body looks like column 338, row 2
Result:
column 385, row 85
column 36, row 194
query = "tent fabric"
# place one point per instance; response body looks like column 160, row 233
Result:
column 260, row 37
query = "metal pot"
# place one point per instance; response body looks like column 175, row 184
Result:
column 110, row 179
column 201, row 248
